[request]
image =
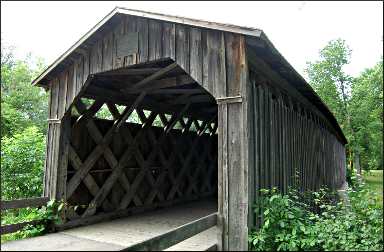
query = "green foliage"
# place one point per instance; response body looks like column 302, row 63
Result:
column 291, row 224
column 11, row 120
column 357, row 103
column 374, row 181
column 329, row 80
column 366, row 106
column 22, row 162
column 22, row 105
column 48, row 215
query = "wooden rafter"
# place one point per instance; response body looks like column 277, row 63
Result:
column 147, row 80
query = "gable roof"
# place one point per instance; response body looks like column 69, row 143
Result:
column 138, row 13
column 281, row 65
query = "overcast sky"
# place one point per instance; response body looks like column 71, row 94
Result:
column 297, row 29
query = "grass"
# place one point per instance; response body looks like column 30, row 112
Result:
column 374, row 180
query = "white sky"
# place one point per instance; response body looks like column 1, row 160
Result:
column 297, row 29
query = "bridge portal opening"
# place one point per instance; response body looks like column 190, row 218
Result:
column 141, row 138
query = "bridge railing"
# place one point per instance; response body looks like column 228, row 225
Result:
column 17, row 204
column 177, row 235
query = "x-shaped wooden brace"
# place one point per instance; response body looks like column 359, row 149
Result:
column 89, row 181
column 155, row 184
column 168, row 126
column 108, row 154
column 185, row 162
column 131, row 150
column 103, row 143
column 166, row 164
column 193, row 178
column 144, row 165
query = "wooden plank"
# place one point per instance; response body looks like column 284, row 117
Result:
column 133, row 41
column 86, row 66
column 128, row 111
column 206, row 55
column 168, row 40
column 23, row 203
column 130, row 71
column 96, row 58
column 272, row 126
column 196, row 55
column 182, row 47
column 235, row 176
column 71, row 87
column 154, row 38
column 215, row 60
column 121, row 213
column 55, row 99
column 118, row 32
column 175, row 235
column 65, row 134
column 16, row 227
column 61, row 95
column 152, row 77
column 155, row 85
column 232, row 49
column 142, row 26
column 178, row 91
column 256, row 135
column 107, row 52
column 54, row 160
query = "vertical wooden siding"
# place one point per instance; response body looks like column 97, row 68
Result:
column 289, row 140
column 204, row 54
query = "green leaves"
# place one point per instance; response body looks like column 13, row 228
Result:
column 289, row 224
column 22, row 163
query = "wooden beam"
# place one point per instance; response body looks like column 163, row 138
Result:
column 204, row 98
column 128, row 111
column 162, row 83
column 178, row 91
column 152, row 77
column 148, row 103
column 177, row 118
column 16, row 227
column 175, row 235
column 23, row 203
column 130, row 71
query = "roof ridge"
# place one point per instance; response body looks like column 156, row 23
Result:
column 188, row 18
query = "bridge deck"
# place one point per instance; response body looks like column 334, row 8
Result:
column 121, row 233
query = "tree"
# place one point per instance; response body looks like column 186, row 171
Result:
column 333, row 85
column 357, row 103
column 22, row 162
column 366, row 106
column 22, row 105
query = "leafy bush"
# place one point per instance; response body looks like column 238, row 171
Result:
column 47, row 215
column 22, row 162
column 291, row 223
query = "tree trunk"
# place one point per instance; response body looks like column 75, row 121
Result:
column 356, row 162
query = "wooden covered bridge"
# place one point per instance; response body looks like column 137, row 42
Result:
column 164, row 119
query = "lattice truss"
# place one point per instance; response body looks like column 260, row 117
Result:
column 120, row 165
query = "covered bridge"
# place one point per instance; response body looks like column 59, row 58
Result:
column 152, row 111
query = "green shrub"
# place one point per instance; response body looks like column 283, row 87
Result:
column 47, row 215
column 311, row 222
column 22, row 163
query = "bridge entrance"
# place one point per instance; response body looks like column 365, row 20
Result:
column 138, row 139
